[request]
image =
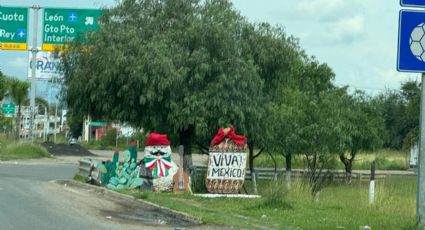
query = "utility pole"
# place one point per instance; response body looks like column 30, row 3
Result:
column 420, row 199
column 34, row 51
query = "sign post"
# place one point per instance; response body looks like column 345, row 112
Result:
column 61, row 26
column 411, row 58
column 13, row 28
column 34, row 51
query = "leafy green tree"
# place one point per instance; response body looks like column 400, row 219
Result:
column 3, row 86
column 19, row 93
column 290, row 105
column 278, row 59
column 400, row 111
column 172, row 66
column 362, row 128
column 411, row 92
column 319, row 133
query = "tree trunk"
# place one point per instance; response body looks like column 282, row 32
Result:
column 348, row 165
column 251, row 166
column 288, row 172
column 186, row 137
column 18, row 122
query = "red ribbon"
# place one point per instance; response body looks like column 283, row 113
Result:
column 221, row 136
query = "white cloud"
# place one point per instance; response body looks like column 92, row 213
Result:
column 327, row 10
column 348, row 29
column 392, row 78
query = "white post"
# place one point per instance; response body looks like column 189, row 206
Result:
column 56, row 120
column 34, row 51
column 46, row 123
column 372, row 184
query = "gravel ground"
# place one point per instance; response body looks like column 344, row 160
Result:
column 66, row 150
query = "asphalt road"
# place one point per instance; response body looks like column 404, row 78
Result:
column 29, row 199
column 25, row 205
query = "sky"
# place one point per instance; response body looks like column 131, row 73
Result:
column 357, row 39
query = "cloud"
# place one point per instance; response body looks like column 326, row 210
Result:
column 348, row 29
column 327, row 10
column 392, row 78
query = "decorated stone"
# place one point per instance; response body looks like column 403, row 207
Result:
column 158, row 164
column 226, row 162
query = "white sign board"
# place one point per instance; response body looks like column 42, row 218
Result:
column 47, row 67
column 227, row 166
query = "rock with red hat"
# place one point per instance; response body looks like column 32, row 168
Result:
column 157, row 162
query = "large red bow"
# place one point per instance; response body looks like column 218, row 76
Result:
column 222, row 135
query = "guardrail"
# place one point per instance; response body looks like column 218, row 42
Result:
column 270, row 174
column 84, row 167
column 261, row 173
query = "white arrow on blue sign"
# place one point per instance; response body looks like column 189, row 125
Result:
column 411, row 41
column 412, row 2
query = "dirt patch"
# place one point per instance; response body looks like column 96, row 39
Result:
column 66, row 150
column 120, row 208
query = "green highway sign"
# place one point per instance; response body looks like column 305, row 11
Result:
column 13, row 28
column 98, row 123
column 61, row 26
column 8, row 109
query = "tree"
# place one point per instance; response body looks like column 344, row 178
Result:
column 318, row 135
column 3, row 86
column 400, row 111
column 278, row 59
column 172, row 66
column 363, row 128
column 19, row 93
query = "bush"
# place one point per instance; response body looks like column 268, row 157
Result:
column 109, row 139
column 276, row 196
column 384, row 163
column 198, row 183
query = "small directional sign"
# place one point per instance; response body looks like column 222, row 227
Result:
column 415, row 3
column 8, row 109
column 411, row 41
column 61, row 26
column 13, row 28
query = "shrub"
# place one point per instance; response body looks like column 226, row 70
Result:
column 276, row 196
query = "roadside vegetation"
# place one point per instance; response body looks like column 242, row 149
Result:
column 14, row 150
column 340, row 206
column 111, row 141
column 386, row 159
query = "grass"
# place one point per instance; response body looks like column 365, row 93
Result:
column 12, row 150
column 385, row 160
column 80, row 178
column 123, row 144
column 340, row 206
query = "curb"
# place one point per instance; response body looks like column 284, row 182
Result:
column 171, row 212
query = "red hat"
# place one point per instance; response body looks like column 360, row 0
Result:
column 157, row 139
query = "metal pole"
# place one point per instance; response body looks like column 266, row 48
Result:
column 420, row 198
column 34, row 51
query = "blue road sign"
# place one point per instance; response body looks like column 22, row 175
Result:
column 412, row 2
column 411, row 41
